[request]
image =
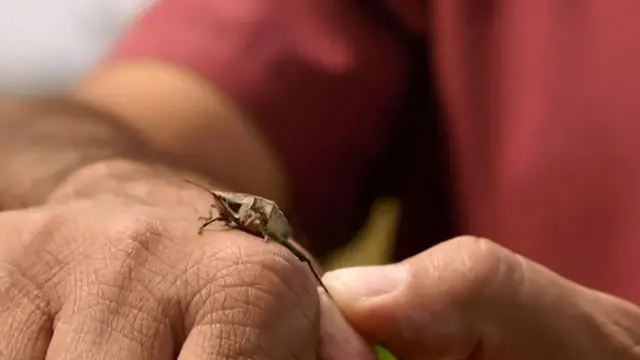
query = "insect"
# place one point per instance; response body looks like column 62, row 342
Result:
column 255, row 215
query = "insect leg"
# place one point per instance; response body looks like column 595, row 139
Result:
column 245, row 209
column 256, row 218
column 208, row 217
column 210, row 220
column 248, row 219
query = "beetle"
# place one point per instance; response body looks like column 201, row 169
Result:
column 257, row 216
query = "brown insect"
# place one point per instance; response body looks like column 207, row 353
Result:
column 255, row 215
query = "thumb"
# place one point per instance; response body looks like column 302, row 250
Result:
column 422, row 308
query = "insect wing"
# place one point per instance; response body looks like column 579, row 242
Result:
column 222, row 204
column 233, row 203
column 278, row 225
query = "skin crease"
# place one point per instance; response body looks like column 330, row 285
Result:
column 65, row 267
column 106, row 251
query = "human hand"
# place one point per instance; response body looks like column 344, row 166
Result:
column 112, row 268
column 469, row 298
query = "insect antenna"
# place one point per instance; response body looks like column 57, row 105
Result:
column 200, row 186
column 305, row 259
column 215, row 196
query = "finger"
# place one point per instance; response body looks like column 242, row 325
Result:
column 25, row 324
column 338, row 340
column 427, row 306
column 253, row 301
column 111, row 320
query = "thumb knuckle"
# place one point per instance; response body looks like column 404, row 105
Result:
column 487, row 264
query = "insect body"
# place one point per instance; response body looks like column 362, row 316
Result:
column 257, row 216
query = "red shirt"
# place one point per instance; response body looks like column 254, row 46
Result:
column 533, row 108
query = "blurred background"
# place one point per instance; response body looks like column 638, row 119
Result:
column 374, row 243
column 49, row 45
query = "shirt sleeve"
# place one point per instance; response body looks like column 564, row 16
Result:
column 321, row 78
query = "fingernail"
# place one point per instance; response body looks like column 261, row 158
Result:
column 366, row 281
column 338, row 340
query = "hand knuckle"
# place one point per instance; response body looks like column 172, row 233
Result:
column 477, row 250
column 246, row 284
column 28, row 258
column 137, row 241
column 486, row 263
column 239, row 269
column 16, row 288
column 136, row 249
column 135, row 230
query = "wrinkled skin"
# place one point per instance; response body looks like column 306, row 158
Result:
column 469, row 298
column 112, row 267
column 119, row 272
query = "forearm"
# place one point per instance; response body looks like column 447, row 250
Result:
column 43, row 141
column 190, row 121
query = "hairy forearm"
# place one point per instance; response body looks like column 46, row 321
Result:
column 144, row 112
column 190, row 120
column 43, row 141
